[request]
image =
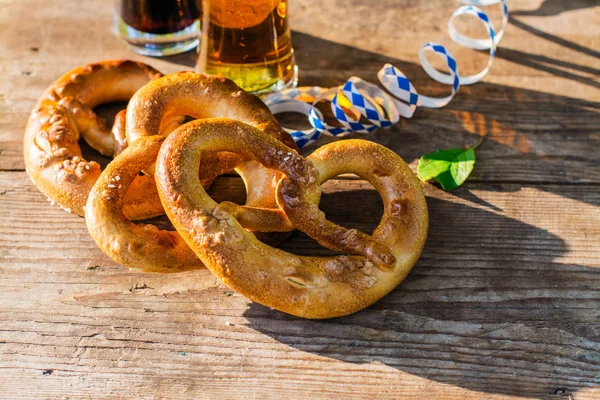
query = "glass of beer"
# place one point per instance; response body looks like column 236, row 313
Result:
column 249, row 42
column 157, row 27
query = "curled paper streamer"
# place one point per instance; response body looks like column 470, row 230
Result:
column 357, row 99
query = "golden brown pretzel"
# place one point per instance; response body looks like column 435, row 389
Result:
column 52, row 154
column 149, row 113
column 310, row 287
column 202, row 96
column 144, row 246
column 141, row 246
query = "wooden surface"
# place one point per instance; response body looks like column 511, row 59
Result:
column 504, row 303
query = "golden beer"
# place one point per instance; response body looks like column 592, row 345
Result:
column 249, row 42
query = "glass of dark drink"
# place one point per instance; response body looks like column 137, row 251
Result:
column 157, row 27
column 249, row 42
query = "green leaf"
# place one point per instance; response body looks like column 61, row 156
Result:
column 449, row 167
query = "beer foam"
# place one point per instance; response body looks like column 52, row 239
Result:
column 240, row 14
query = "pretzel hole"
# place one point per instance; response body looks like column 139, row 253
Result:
column 348, row 201
column 228, row 187
column 351, row 202
column 91, row 154
column 109, row 110
column 162, row 223
column 300, row 244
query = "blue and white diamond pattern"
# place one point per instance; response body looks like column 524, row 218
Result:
column 381, row 109
column 363, row 102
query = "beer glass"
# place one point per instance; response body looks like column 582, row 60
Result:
column 249, row 42
column 157, row 27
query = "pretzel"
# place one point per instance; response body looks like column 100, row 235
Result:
column 202, row 96
column 52, row 154
column 141, row 246
column 153, row 106
column 310, row 287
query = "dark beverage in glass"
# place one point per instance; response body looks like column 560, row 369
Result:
column 157, row 27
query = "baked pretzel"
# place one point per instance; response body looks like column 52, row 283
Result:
column 203, row 96
column 310, row 287
column 141, row 246
column 52, row 154
column 146, row 247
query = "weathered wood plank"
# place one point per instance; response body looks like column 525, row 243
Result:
column 504, row 300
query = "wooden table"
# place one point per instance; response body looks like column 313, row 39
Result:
column 505, row 300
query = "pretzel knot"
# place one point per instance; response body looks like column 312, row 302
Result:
column 310, row 287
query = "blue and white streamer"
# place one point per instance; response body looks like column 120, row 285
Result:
column 358, row 100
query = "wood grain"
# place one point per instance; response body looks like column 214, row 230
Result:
column 503, row 304
column 499, row 302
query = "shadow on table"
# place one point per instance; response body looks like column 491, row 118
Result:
column 564, row 69
column 527, row 132
column 555, row 7
column 553, row 38
column 480, row 307
column 483, row 301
